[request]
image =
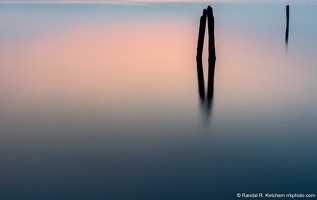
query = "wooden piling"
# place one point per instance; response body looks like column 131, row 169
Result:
column 211, row 31
column 201, row 35
column 287, row 13
column 212, row 53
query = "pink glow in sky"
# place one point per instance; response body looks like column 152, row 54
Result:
column 87, row 62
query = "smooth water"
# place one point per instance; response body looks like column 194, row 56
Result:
column 101, row 101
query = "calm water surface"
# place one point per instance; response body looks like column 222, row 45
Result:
column 101, row 101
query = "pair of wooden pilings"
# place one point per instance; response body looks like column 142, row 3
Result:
column 201, row 36
column 211, row 27
column 207, row 13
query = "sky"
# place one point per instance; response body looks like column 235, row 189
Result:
column 122, row 1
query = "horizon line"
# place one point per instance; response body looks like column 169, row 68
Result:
column 147, row 1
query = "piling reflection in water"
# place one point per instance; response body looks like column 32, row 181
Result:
column 206, row 101
column 287, row 26
column 201, row 82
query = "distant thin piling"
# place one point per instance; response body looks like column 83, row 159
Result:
column 201, row 35
column 287, row 24
column 287, row 13
column 211, row 31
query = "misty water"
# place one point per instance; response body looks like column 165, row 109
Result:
column 101, row 101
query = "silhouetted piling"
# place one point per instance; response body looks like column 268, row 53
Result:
column 201, row 35
column 201, row 82
column 212, row 53
column 287, row 24
column 211, row 31
column 287, row 13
